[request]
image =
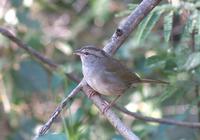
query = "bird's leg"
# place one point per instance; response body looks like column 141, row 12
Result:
column 110, row 104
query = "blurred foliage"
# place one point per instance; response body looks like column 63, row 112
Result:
column 166, row 45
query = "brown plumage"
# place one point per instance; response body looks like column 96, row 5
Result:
column 107, row 75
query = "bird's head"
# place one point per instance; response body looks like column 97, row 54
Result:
column 90, row 54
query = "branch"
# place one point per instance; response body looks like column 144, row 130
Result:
column 129, row 24
column 33, row 52
column 114, row 120
column 117, row 39
column 30, row 50
column 110, row 115
column 58, row 110
column 122, row 32
column 157, row 120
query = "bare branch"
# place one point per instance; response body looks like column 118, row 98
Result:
column 118, row 38
column 110, row 115
column 114, row 44
column 58, row 110
column 129, row 24
column 122, row 32
column 158, row 120
column 97, row 100
column 30, row 50
column 33, row 52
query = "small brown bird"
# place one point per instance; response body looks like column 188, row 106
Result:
column 107, row 75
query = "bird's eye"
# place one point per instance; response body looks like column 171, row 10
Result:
column 86, row 53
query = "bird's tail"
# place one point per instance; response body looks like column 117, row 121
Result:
column 153, row 81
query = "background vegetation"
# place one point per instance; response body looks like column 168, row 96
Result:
column 166, row 46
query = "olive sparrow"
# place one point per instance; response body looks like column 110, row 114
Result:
column 107, row 75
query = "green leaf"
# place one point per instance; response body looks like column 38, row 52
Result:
column 190, row 24
column 167, row 94
column 168, row 21
column 193, row 61
column 16, row 3
column 157, row 61
column 147, row 25
column 31, row 76
column 78, row 116
column 117, row 137
column 197, row 37
column 100, row 9
column 170, row 63
column 56, row 81
column 34, row 40
column 24, row 18
column 53, row 137
column 165, row 8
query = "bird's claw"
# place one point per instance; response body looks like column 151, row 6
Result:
column 107, row 106
column 106, row 109
column 91, row 93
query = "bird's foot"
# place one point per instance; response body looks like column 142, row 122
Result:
column 92, row 93
column 106, row 109
column 107, row 106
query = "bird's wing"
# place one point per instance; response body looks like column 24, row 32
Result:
column 120, row 72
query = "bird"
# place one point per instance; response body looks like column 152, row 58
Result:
column 107, row 75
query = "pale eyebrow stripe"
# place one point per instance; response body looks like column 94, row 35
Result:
column 96, row 49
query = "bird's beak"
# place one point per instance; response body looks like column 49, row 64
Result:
column 77, row 52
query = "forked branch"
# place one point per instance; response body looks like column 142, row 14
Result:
column 121, row 34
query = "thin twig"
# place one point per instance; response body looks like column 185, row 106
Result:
column 121, row 35
column 33, row 52
column 30, row 50
column 158, row 120
column 125, row 131
column 58, row 110
column 117, row 39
